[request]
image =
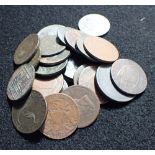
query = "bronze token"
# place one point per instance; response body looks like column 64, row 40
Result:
column 48, row 87
column 87, row 102
column 128, row 76
column 26, row 49
column 101, row 49
column 62, row 118
column 20, row 82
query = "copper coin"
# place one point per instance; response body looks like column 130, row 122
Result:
column 20, row 82
column 62, row 118
column 128, row 76
column 48, row 86
column 56, row 59
column 87, row 79
column 87, row 102
column 26, row 49
column 30, row 116
column 101, row 49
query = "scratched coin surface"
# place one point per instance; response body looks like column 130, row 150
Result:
column 56, row 59
column 48, row 86
column 87, row 102
column 30, row 116
column 26, row 49
column 20, row 82
column 105, row 84
column 62, row 118
column 51, row 71
column 128, row 76
column 101, row 49
column 49, row 46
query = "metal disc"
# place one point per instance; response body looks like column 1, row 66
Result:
column 94, row 24
column 128, row 76
column 20, row 82
column 106, row 86
column 29, row 117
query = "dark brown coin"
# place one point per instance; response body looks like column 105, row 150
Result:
column 29, row 117
column 56, row 59
column 62, row 118
column 20, row 82
column 106, row 86
column 26, row 49
column 87, row 102
column 101, row 49
column 128, row 76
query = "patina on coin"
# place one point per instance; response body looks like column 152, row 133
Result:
column 48, row 86
column 26, row 49
column 62, row 118
column 49, row 46
column 87, row 102
column 106, row 86
column 30, row 116
column 51, row 71
column 94, row 24
column 20, row 82
column 56, row 59
column 128, row 76
column 101, row 49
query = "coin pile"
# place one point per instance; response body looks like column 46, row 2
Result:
column 59, row 56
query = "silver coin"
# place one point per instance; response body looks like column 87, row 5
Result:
column 65, row 85
column 94, row 24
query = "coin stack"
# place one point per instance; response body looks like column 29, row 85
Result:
column 58, row 56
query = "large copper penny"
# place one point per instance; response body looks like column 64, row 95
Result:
column 101, row 49
column 49, row 86
column 62, row 118
column 20, row 82
column 88, row 103
column 128, row 76
column 26, row 49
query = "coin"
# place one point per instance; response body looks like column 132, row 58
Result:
column 65, row 85
column 94, row 24
column 87, row 103
column 101, row 49
column 128, row 76
column 56, row 59
column 49, row 86
column 26, row 49
column 51, row 71
column 49, row 46
column 87, row 79
column 62, row 118
column 20, row 82
column 106, row 86
column 29, row 117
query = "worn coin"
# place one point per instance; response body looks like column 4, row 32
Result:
column 94, row 24
column 29, row 117
column 49, row 46
column 128, row 76
column 62, row 118
column 20, row 82
column 56, row 59
column 26, row 49
column 48, row 86
column 106, row 86
column 88, row 103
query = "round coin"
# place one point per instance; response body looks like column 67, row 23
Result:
column 29, row 117
column 87, row 103
column 20, row 82
column 106, row 86
column 94, row 24
column 62, row 118
column 26, row 49
column 101, row 49
column 128, row 76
